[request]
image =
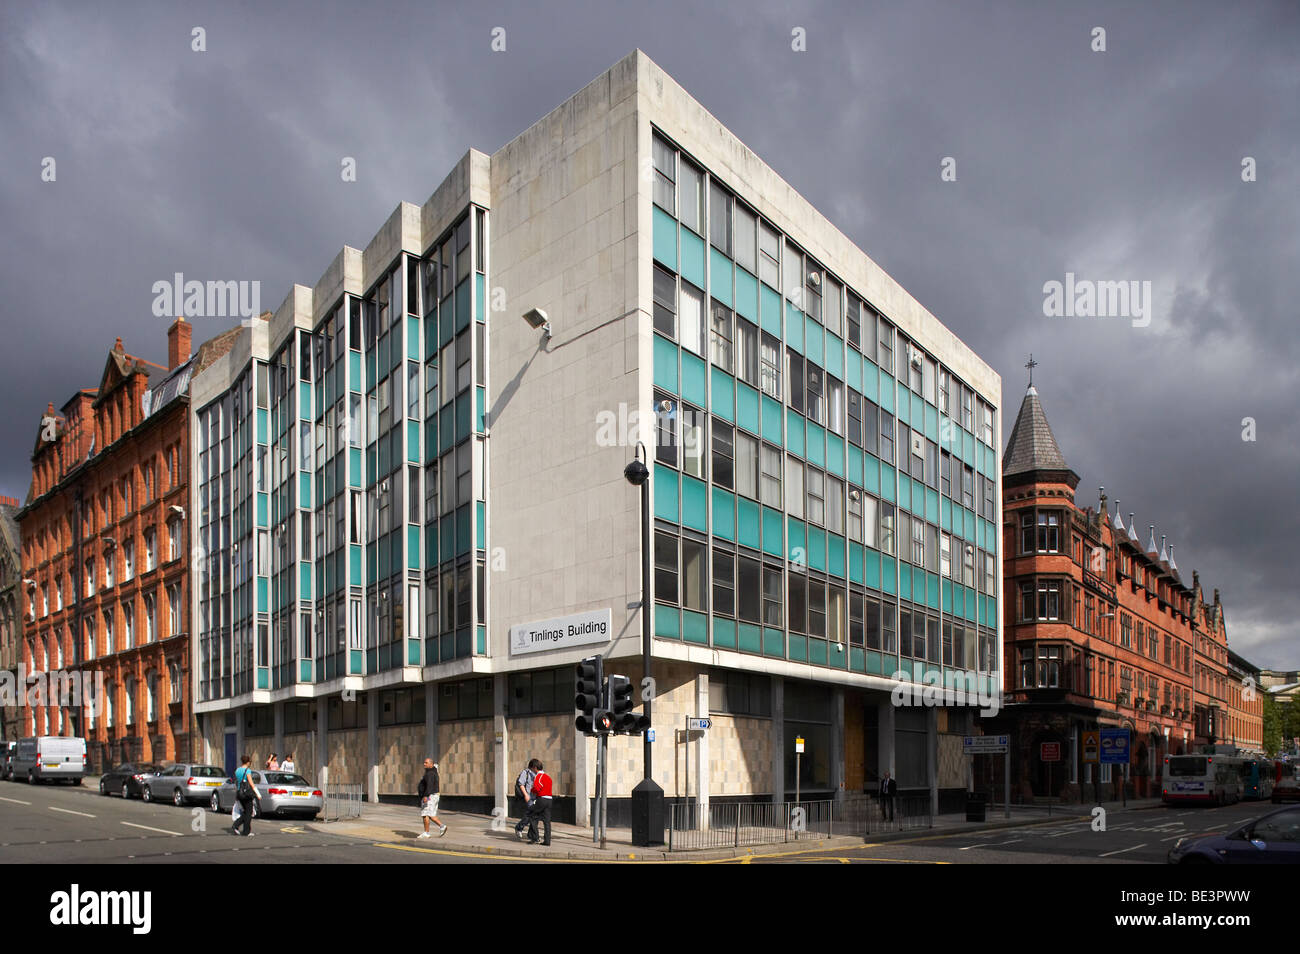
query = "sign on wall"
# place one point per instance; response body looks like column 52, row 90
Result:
column 563, row 632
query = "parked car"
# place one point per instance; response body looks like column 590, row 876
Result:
column 283, row 793
column 1270, row 839
column 1286, row 790
column 50, row 757
column 127, row 779
column 182, row 782
column 7, row 759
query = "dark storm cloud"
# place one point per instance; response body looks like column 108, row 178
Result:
column 1116, row 165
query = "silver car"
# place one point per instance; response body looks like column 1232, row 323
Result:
column 283, row 793
column 182, row 783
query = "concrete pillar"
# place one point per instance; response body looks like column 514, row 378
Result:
column 322, row 741
column 501, row 779
column 932, row 756
column 837, row 743
column 431, row 744
column 702, row 748
column 778, row 740
column 277, row 710
column 582, row 756
column 239, row 737
column 885, row 735
column 372, row 747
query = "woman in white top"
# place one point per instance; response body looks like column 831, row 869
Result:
column 287, row 765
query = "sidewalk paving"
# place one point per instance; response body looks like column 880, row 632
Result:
column 474, row 834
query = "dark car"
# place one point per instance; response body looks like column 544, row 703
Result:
column 1270, row 839
column 127, row 779
column 7, row 759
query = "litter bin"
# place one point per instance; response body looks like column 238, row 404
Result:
column 977, row 805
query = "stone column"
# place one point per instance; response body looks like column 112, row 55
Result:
column 372, row 748
column 501, row 748
column 702, row 749
column 277, row 710
column 431, row 744
column 778, row 739
column 837, row 743
column 932, row 756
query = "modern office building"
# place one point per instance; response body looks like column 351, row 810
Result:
column 413, row 520
column 1101, row 630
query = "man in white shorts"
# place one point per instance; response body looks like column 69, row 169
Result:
column 429, row 792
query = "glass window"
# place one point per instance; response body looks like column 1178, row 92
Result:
column 835, row 404
column 834, row 505
column 816, row 497
column 665, row 162
column 691, row 318
column 885, row 350
column 746, row 239
column 693, row 446
column 724, row 583
column 816, row 396
column 720, row 335
column 724, row 453
column 853, row 313
column 665, row 302
column 695, row 576
column 769, row 255
column 747, row 352
column 749, row 591
column 886, row 527
column 691, row 188
column 771, row 366
column 666, row 424
column 719, row 218
column 770, row 481
column 746, row 465
column 886, row 437
column 794, row 486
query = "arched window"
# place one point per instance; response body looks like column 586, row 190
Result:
column 177, row 690
column 109, row 706
column 151, row 688
column 130, row 701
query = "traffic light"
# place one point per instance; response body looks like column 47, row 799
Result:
column 591, row 676
column 620, row 703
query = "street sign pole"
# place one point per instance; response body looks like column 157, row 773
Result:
column 1006, row 782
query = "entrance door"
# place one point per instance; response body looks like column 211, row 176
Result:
column 232, row 757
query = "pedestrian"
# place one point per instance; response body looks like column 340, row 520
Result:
column 287, row 765
column 272, row 765
column 888, row 789
column 540, row 810
column 429, row 791
column 524, row 789
column 245, row 791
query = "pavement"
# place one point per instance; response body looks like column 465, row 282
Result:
column 478, row 835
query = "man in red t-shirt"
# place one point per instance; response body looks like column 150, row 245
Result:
column 540, row 806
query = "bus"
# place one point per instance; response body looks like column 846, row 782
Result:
column 1257, row 778
column 1201, row 778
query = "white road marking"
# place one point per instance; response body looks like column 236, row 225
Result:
column 16, row 801
column 69, row 811
column 1212, row 827
column 1181, row 834
column 147, row 828
column 994, row 844
column 1122, row 850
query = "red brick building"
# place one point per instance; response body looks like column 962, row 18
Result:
column 105, row 550
column 1101, row 630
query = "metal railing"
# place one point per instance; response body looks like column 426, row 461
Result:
column 342, row 801
column 738, row 824
column 866, row 815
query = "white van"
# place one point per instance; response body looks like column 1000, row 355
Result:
column 50, row 757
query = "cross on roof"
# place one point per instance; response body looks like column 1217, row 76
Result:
column 1031, row 364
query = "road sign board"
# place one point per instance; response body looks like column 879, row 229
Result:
column 650, row 735
column 1114, row 746
column 1050, row 752
column 798, row 743
column 698, row 725
column 984, row 744
column 1091, row 746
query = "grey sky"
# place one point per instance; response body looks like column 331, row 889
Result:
column 1117, row 165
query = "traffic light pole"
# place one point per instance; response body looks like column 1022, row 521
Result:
column 604, row 787
column 648, row 698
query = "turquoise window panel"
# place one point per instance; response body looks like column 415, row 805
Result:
column 945, row 513
column 817, row 548
column 904, row 409
column 918, row 496
column 931, row 505
column 875, row 663
column 413, row 340
column 918, row 670
column 413, row 442
column 446, row 541
column 747, row 404
column 835, row 454
column 773, row 642
column 385, row 464
column 723, row 395
column 354, row 562
column 887, row 392
column 970, row 604
column 870, row 380
column 769, row 307
column 856, row 459
column 724, row 514
column 480, row 297
column 304, row 489
column 354, row 466
column 918, row 410
column 261, row 425
column 796, row 548
column 304, row 400
column 263, row 502
column 668, row 624
column 857, row 660
column 857, row 562
column 692, row 249
column 918, row 584
column 480, row 397
column 667, row 493
column 464, row 532
column 772, row 421
column 749, row 638
column 794, row 327
column 480, row 514
column 835, row 356
column 794, row 432
column 665, row 238
column 263, row 677
column 463, row 311
column 871, row 473
column 853, row 372
column 798, row 648
column 720, row 273
column 887, row 478
column 665, row 358
column 888, row 575
column 967, row 447
column 695, row 509
column 304, row 670
column 695, row 627
column 814, row 341
column 464, row 417
column 932, row 423
column 835, row 556
column 261, row 594
column 747, row 523
column 447, row 427
column 959, row 600
column 773, row 539
column 817, row 652
column 724, row 632
column 431, row 439
column 981, row 612
column 905, row 582
column 905, row 494
column 970, row 525
column 990, row 461
column 695, row 380
column 815, row 444
column 354, row 364
column 991, row 617
column 746, row 295
column 945, row 593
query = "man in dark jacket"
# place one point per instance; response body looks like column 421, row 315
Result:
column 429, row 792
column 888, row 790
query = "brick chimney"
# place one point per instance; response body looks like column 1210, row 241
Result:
column 178, row 343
